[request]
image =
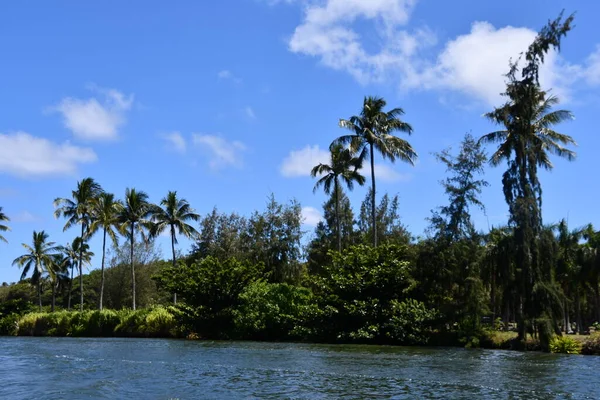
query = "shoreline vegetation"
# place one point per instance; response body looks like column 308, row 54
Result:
column 167, row 323
column 361, row 278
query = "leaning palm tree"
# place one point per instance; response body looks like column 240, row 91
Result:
column 105, row 211
column 3, row 228
column 173, row 214
column 41, row 256
column 78, row 211
column 78, row 250
column 343, row 165
column 133, row 217
column 373, row 129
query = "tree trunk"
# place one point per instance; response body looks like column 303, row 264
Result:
column 132, row 268
column 493, row 294
column 70, row 289
column 337, row 214
column 578, row 312
column 373, row 208
column 102, row 274
column 174, row 260
column 53, row 295
column 39, row 290
column 567, row 320
column 81, row 268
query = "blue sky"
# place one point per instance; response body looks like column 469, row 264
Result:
column 229, row 101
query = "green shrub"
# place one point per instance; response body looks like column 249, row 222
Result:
column 132, row 323
column 565, row 345
column 9, row 323
column 160, row 322
column 410, row 322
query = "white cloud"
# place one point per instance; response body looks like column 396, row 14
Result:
column 176, row 141
column 300, row 162
column 221, row 152
column 473, row 64
column 311, row 216
column 94, row 119
column 250, row 112
column 592, row 69
column 228, row 75
column 385, row 173
column 22, row 154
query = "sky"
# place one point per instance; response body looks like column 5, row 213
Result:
column 229, row 101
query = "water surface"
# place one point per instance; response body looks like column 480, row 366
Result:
column 72, row 368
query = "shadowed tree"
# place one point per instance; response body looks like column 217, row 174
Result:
column 106, row 212
column 41, row 255
column 173, row 214
column 344, row 166
column 79, row 211
column 73, row 253
column 134, row 217
column 526, row 143
column 3, row 228
column 373, row 130
column 58, row 271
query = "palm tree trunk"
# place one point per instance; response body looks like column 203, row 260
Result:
column 373, row 208
column 81, row 268
column 39, row 290
column 132, row 268
column 337, row 214
column 174, row 261
column 53, row 295
column 102, row 274
column 70, row 289
column 578, row 312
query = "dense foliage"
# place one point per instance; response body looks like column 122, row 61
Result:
column 361, row 276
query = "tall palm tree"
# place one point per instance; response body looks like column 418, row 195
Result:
column 41, row 256
column 58, row 271
column 78, row 250
column 106, row 212
column 133, row 217
column 343, row 165
column 373, row 129
column 173, row 214
column 3, row 228
column 78, row 211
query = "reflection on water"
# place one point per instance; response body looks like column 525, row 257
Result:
column 69, row 368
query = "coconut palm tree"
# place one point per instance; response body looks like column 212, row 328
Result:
column 41, row 256
column 373, row 130
column 105, row 216
column 58, row 271
column 344, row 166
column 78, row 250
column 134, row 217
column 78, row 211
column 3, row 228
column 173, row 214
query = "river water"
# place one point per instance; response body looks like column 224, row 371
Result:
column 73, row 368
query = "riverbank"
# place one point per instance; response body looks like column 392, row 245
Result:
column 166, row 322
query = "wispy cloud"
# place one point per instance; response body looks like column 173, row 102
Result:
column 300, row 162
column 250, row 112
column 24, row 155
column 228, row 75
column 25, row 216
column 176, row 141
column 95, row 118
column 221, row 152
column 311, row 216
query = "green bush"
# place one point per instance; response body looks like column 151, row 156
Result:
column 273, row 311
column 565, row 345
column 410, row 322
column 160, row 322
